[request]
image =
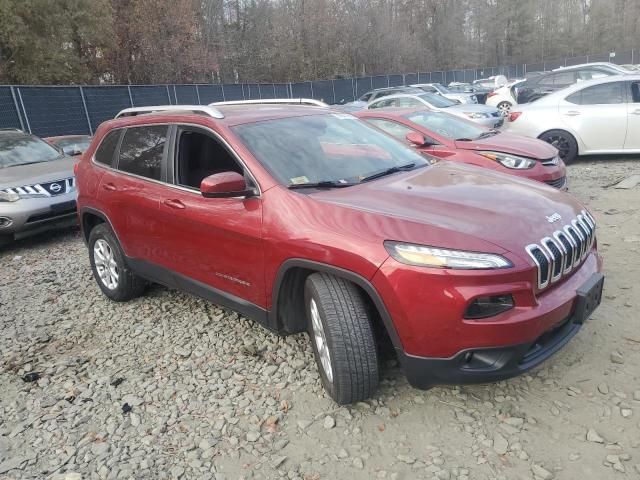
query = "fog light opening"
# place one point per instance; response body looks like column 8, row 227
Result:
column 5, row 222
column 490, row 306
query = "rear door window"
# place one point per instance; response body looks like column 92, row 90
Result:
column 635, row 92
column 604, row 94
column 143, row 151
column 105, row 152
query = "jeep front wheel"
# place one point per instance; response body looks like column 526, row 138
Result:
column 342, row 338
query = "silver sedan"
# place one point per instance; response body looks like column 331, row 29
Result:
column 599, row 116
column 488, row 116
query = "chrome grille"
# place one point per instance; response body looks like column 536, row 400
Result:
column 45, row 189
column 555, row 256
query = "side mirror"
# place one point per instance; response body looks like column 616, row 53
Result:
column 225, row 185
column 419, row 140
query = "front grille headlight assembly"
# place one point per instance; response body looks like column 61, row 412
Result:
column 8, row 197
column 476, row 115
column 510, row 161
column 425, row 256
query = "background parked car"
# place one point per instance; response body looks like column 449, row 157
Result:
column 372, row 95
column 541, row 85
column 37, row 186
column 503, row 98
column 487, row 116
column 439, row 89
column 71, row 145
column 596, row 117
column 455, row 139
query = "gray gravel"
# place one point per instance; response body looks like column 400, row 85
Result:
column 170, row 386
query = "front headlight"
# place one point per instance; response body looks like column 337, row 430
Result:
column 8, row 197
column 510, row 161
column 476, row 115
column 423, row 256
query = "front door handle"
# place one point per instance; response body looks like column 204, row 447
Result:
column 572, row 113
column 109, row 186
column 177, row 204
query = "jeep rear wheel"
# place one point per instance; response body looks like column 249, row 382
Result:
column 342, row 338
column 113, row 275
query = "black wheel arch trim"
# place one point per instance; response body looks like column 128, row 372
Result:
column 277, row 324
column 98, row 213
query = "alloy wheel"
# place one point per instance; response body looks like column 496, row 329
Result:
column 560, row 143
column 106, row 266
column 505, row 108
column 320, row 340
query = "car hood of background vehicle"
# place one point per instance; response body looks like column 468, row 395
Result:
column 21, row 175
column 514, row 144
column 473, row 107
column 504, row 210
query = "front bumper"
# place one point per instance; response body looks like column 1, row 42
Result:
column 30, row 216
column 437, row 345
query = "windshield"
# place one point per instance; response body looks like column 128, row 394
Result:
column 73, row 146
column 441, row 88
column 437, row 101
column 22, row 149
column 324, row 148
column 447, row 125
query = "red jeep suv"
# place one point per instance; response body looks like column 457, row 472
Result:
column 307, row 219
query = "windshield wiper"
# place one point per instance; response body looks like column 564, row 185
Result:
column 490, row 133
column 321, row 184
column 389, row 171
column 464, row 139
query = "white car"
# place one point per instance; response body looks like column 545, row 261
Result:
column 487, row 116
column 600, row 116
column 439, row 89
column 503, row 98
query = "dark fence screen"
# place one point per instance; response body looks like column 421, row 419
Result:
column 49, row 111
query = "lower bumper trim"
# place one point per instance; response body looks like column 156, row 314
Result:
column 484, row 365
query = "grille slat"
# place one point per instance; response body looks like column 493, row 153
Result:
column 557, row 255
column 45, row 189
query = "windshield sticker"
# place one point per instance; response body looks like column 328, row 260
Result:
column 299, row 180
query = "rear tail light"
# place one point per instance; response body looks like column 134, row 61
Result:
column 513, row 116
column 491, row 94
column 75, row 168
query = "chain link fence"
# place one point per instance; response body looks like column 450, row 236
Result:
column 66, row 110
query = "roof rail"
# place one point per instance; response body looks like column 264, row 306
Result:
column 274, row 101
column 207, row 110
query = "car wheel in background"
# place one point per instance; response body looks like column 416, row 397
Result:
column 114, row 277
column 342, row 338
column 505, row 108
column 564, row 142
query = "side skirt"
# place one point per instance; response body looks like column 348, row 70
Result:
column 157, row 274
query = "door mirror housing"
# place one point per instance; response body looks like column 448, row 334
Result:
column 225, row 185
column 419, row 140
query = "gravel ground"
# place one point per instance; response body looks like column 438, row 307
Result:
column 170, row 386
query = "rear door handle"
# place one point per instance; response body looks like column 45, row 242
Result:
column 177, row 204
column 109, row 186
column 572, row 113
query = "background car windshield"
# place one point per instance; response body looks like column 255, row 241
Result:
column 437, row 101
column 23, row 149
column 332, row 147
column 74, row 145
column 441, row 88
column 446, row 125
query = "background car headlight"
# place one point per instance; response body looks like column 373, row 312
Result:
column 9, row 197
column 510, row 161
column 423, row 256
column 476, row 115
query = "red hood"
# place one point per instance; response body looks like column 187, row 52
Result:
column 445, row 204
column 514, row 144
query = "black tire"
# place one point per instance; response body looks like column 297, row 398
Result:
column 127, row 285
column 564, row 142
column 349, row 338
